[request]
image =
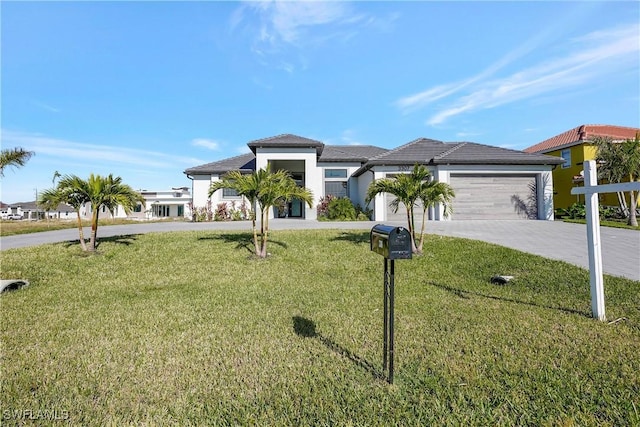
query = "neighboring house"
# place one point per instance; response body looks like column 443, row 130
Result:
column 490, row 182
column 172, row 203
column 574, row 147
column 27, row 210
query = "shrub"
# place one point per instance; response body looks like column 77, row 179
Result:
column 323, row 206
column 341, row 209
column 222, row 212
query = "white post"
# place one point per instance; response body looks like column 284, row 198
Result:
column 593, row 241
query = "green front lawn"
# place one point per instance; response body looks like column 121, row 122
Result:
column 188, row 329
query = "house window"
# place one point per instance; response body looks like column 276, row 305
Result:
column 335, row 173
column 335, row 188
column 229, row 193
column 335, row 183
column 566, row 155
column 180, row 210
column 161, row 210
column 138, row 208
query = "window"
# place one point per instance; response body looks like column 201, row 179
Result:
column 138, row 208
column 229, row 192
column 161, row 210
column 566, row 155
column 180, row 210
column 335, row 173
column 335, row 188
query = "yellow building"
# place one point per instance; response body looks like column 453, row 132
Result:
column 575, row 147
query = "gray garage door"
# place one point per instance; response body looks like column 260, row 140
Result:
column 494, row 197
column 401, row 215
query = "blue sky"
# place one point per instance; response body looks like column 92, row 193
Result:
column 145, row 90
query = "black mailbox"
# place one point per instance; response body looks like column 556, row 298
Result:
column 391, row 242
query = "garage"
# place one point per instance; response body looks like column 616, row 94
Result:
column 500, row 196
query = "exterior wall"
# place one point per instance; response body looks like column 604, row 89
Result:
column 354, row 190
column 563, row 177
column 312, row 174
column 442, row 173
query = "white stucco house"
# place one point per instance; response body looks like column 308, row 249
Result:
column 163, row 204
column 490, row 182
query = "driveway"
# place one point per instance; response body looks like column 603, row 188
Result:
column 550, row 239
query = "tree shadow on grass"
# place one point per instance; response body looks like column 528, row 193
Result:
column 357, row 238
column 126, row 240
column 306, row 328
column 241, row 240
column 463, row 293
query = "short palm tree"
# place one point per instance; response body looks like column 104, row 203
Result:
column 410, row 189
column 619, row 162
column 109, row 192
column 100, row 191
column 71, row 190
column 14, row 157
column 263, row 190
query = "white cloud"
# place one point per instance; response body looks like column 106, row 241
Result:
column 44, row 106
column 91, row 153
column 588, row 59
column 284, row 32
column 209, row 144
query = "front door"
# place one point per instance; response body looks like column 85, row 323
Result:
column 295, row 209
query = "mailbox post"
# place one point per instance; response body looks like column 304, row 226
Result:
column 392, row 243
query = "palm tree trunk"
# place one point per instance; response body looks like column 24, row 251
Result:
column 265, row 232
column 633, row 220
column 256, row 244
column 622, row 201
column 83, row 244
column 420, row 245
column 414, row 249
column 94, row 230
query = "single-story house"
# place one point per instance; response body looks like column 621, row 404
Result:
column 575, row 147
column 490, row 182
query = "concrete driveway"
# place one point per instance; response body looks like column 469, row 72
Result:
column 550, row 239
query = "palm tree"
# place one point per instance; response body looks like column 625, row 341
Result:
column 14, row 157
column 71, row 191
column 263, row 190
column 109, row 192
column 409, row 189
column 100, row 191
column 619, row 162
column 434, row 193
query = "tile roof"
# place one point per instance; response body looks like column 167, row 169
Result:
column 350, row 153
column 330, row 153
column 583, row 133
column 474, row 153
column 243, row 163
column 286, row 140
column 429, row 151
column 421, row 150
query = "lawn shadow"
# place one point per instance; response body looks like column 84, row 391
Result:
column 241, row 240
column 126, row 240
column 463, row 293
column 306, row 328
column 357, row 238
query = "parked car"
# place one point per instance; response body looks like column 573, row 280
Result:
column 14, row 216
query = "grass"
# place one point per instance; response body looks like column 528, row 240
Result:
column 188, row 329
column 10, row 228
